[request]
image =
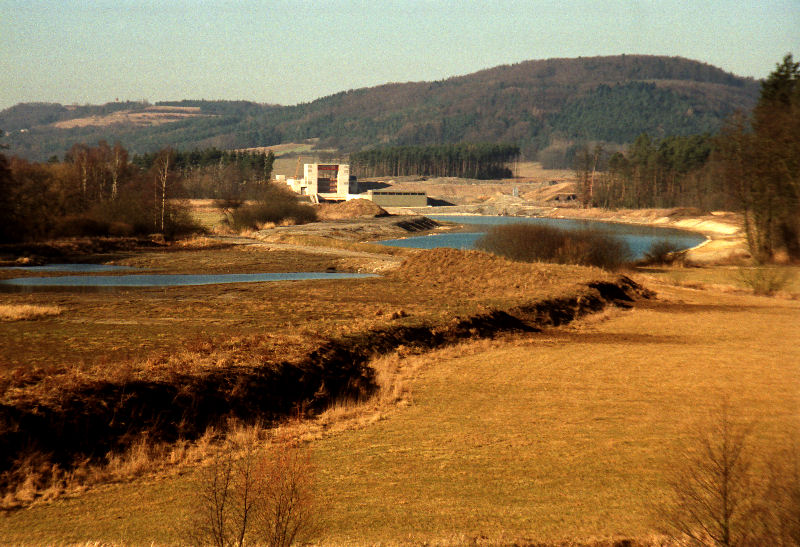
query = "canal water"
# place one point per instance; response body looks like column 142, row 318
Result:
column 163, row 280
column 638, row 238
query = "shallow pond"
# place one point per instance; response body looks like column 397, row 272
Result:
column 169, row 280
column 638, row 238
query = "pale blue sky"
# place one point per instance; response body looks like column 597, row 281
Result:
column 293, row 51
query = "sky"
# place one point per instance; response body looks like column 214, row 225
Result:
column 286, row 52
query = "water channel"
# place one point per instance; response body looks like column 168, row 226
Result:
column 638, row 238
column 163, row 280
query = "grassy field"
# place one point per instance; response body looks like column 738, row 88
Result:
column 566, row 435
column 98, row 329
column 558, row 436
column 742, row 277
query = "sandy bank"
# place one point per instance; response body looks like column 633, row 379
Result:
column 725, row 238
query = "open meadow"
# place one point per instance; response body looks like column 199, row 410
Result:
column 455, row 398
column 88, row 375
column 565, row 435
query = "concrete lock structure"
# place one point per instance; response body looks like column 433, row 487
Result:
column 332, row 182
column 324, row 181
column 328, row 180
column 389, row 198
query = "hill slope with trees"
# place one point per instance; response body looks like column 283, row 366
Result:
column 537, row 105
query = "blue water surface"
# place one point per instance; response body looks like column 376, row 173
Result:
column 171, row 280
column 639, row 238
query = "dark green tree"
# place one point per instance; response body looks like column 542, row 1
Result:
column 8, row 226
column 761, row 165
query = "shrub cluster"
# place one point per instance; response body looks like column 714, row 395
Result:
column 765, row 280
column 541, row 243
column 274, row 204
column 662, row 251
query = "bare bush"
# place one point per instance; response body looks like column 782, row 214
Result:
column 726, row 492
column 252, row 498
column 288, row 513
column 662, row 251
column 27, row 312
column 713, row 501
column 273, row 204
column 541, row 243
column 764, row 280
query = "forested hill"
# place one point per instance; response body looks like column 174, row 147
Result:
column 538, row 105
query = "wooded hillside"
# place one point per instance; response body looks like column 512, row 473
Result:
column 534, row 104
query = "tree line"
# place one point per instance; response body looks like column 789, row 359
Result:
column 752, row 165
column 98, row 190
column 218, row 174
column 197, row 158
column 760, row 162
column 477, row 161
column 670, row 172
column 94, row 191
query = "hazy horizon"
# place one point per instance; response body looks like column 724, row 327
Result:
column 287, row 52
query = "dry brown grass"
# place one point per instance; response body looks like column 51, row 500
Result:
column 27, row 312
column 43, row 482
column 112, row 328
column 317, row 313
column 736, row 277
column 564, row 436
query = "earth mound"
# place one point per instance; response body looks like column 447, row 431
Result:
column 468, row 273
column 354, row 208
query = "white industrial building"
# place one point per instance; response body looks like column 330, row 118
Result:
column 332, row 182
column 324, row 181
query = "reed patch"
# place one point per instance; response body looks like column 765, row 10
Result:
column 27, row 312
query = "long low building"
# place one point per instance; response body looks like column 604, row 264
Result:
column 392, row 198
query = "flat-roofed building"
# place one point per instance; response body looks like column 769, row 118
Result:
column 394, row 198
column 332, row 182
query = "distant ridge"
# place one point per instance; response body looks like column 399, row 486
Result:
column 541, row 105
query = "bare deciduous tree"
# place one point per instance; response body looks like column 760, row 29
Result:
column 252, row 498
column 163, row 171
column 714, row 498
column 289, row 512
